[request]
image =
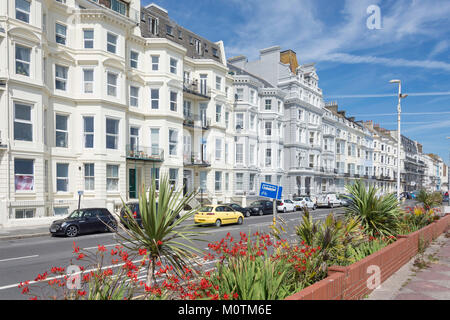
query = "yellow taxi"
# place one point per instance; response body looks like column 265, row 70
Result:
column 218, row 214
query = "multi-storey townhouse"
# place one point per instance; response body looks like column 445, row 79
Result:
column 303, row 109
column 437, row 173
column 65, row 70
column 329, row 140
column 411, row 169
column 384, row 158
column 259, row 135
column 204, row 87
column 354, row 149
column 100, row 97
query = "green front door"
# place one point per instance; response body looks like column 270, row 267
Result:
column 132, row 184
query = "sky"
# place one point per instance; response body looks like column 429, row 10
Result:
column 357, row 47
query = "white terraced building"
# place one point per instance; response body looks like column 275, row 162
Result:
column 99, row 96
column 94, row 102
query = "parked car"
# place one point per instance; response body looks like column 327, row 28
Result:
column 405, row 195
column 414, row 194
column 329, row 200
column 218, row 215
column 88, row 220
column 345, row 201
column 302, row 202
column 285, row 205
column 445, row 198
column 246, row 212
column 261, row 207
column 134, row 208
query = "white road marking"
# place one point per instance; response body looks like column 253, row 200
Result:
column 18, row 258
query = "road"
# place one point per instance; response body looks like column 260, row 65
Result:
column 24, row 259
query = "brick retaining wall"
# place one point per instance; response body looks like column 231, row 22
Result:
column 350, row 282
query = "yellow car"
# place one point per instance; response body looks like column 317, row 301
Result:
column 218, row 214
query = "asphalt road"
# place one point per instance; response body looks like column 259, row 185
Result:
column 24, row 259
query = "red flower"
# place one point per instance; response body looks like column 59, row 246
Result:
column 80, row 256
column 142, row 252
column 101, row 248
column 81, row 293
column 75, row 248
column 159, row 243
column 235, row 295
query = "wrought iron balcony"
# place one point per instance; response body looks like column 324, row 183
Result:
column 196, row 159
column 136, row 152
column 196, row 121
column 196, row 89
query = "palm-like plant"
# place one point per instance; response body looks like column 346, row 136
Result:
column 429, row 199
column 162, row 233
column 379, row 215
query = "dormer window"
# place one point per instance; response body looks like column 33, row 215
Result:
column 198, row 46
column 153, row 25
column 169, row 30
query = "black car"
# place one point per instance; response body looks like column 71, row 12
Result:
column 261, row 207
column 87, row 220
column 134, row 208
column 245, row 211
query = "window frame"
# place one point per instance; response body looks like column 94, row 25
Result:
column 22, row 62
column 88, row 133
column 24, row 174
column 65, row 132
column 112, row 178
column 115, row 136
column 110, row 44
column 29, row 123
column 62, row 37
column 22, row 11
column 89, row 175
column 62, row 81
column 62, row 178
column 88, row 40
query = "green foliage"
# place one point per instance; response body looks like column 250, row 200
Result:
column 429, row 200
column 379, row 215
column 359, row 252
column 162, row 234
column 258, row 279
column 332, row 235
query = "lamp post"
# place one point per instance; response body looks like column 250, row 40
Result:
column 399, row 110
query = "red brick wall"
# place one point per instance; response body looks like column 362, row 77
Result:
column 350, row 283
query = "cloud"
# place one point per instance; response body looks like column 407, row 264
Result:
column 300, row 25
column 392, row 62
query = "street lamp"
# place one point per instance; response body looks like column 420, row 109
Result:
column 399, row 110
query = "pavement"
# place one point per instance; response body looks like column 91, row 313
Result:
column 424, row 277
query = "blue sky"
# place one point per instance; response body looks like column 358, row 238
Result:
column 354, row 63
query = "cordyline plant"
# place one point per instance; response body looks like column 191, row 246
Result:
column 379, row 215
column 162, row 232
column 428, row 199
column 333, row 235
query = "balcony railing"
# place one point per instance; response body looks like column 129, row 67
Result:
column 196, row 88
column 196, row 121
column 196, row 159
column 117, row 6
column 145, row 153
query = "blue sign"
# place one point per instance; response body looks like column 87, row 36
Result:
column 270, row 191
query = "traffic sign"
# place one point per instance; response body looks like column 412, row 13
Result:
column 270, row 191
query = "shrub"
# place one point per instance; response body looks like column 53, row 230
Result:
column 379, row 215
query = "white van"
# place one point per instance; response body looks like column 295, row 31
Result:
column 329, row 200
